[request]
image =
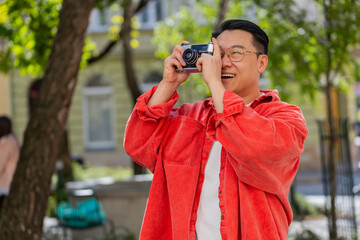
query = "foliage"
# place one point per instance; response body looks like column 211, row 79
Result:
column 309, row 43
column 29, row 27
column 304, row 235
column 117, row 173
column 302, row 208
column 194, row 25
column 178, row 27
column 81, row 174
column 51, row 206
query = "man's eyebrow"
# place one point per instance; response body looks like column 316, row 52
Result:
column 236, row 46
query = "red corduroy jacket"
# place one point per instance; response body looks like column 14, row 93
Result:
column 261, row 143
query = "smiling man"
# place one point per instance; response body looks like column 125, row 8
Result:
column 222, row 167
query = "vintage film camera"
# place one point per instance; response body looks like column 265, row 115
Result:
column 192, row 54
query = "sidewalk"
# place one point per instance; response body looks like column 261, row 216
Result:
column 310, row 185
column 318, row 226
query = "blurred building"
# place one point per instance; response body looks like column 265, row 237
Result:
column 4, row 89
column 102, row 103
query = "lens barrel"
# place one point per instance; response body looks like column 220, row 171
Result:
column 190, row 56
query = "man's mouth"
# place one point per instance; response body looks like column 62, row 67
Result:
column 226, row 76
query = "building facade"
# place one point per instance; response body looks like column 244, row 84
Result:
column 102, row 103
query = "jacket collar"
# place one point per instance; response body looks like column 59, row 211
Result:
column 267, row 96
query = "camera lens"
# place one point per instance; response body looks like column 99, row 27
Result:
column 190, row 56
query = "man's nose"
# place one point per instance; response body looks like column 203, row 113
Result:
column 225, row 61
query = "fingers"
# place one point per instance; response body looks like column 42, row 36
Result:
column 171, row 62
column 178, row 56
column 217, row 51
column 184, row 42
column 202, row 59
column 178, row 52
column 175, row 60
column 199, row 63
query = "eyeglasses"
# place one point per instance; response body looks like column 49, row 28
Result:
column 237, row 54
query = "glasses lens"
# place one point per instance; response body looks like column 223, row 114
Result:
column 235, row 54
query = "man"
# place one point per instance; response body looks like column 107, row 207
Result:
column 222, row 167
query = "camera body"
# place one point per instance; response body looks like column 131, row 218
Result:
column 192, row 54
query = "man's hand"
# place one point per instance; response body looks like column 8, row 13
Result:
column 171, row 79
column 210, row 66
column 173, row 62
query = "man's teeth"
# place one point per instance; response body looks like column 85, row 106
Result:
column 227, row 75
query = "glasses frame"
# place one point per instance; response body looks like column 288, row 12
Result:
column 243, row 53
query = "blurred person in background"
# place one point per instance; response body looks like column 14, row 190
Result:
column 9, row 155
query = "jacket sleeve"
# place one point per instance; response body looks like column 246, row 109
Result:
column 263, row 146
column 145, row 129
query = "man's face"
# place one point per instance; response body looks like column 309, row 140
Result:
column 242, row 77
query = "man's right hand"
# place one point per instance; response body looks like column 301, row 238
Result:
column 171, row 78
column 173, row 62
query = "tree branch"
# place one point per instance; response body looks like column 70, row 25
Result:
column 109, row 46
column 223, row 9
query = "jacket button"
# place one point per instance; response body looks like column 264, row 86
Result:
column 222, row 217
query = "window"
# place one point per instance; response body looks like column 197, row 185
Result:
column 151, row 79
column 152, row 13
column 100, row 19
column 98, row 108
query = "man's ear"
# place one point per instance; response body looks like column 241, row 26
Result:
column 262, row 63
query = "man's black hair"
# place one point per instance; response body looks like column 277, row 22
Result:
column 260, row 39
column 5, row 126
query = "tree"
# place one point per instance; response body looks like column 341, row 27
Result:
column 128, row 62
column 316, row 51
column 30, row 27
column 31, row 38
column 25, row 212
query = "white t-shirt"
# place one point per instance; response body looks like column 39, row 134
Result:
column 208, row 214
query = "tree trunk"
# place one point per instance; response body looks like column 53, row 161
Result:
column 130, row 76
column 24, row 209
column 224, row 5
column 331, row 160
column 65, row 157
column 330, row 118
column 64, row 149
column 128, row 57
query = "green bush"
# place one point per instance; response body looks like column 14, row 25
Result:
column 305, row 235
column 83, row 173
column 301, row 208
